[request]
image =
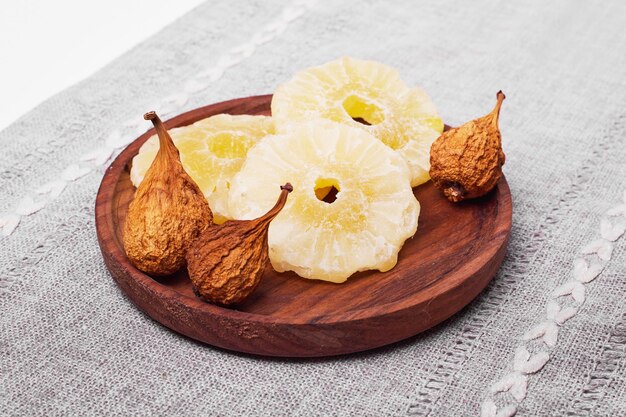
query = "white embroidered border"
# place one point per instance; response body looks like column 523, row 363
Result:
column 594, row 258
column 48, row 192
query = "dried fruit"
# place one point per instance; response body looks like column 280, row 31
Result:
column 367, row 95
column 466, row 162
column 167, row 213
column 226, row 262
column 352, row 207
column 212, row 151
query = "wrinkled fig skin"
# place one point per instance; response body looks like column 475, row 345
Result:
column 226, row 263
column 168, row 212
column 466, row 162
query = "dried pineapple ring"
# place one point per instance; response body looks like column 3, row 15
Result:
column 211, row 150
column 368, row 95
column 373, row 213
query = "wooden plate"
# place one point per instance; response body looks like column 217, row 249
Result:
column 456, row 251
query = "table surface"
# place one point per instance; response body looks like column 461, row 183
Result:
column 547, row 336
column 80, row 39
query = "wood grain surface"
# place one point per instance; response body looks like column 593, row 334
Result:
column 456, row 251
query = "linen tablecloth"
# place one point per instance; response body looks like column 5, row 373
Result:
column 547, row 337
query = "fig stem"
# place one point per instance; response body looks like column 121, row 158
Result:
column 496, row 110
column 280, row 203
column 165, row 140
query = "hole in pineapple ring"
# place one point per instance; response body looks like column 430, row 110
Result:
column 228, row 145
column 363, row 111
column 326, row 189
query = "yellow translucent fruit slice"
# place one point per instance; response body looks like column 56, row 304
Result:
column 368, row 95
column 352, row 206
column 212, row 151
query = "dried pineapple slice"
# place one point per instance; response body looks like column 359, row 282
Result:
column 374, row 210
column 212, row 150
column 368, row 95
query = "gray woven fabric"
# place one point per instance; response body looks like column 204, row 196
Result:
column 72, row 344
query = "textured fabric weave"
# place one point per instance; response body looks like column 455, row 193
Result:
column 72, row 344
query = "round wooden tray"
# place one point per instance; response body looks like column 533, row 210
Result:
column 456, row 251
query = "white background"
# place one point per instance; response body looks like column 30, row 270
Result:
column 46, row 46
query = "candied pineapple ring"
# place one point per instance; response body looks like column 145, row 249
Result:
column 351, row 208
column 368, row 95
column 211, row 150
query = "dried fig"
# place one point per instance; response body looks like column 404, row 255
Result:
column 466, row 162
column 226, row 262
column 168, row 212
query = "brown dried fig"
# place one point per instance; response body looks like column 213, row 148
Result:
column 466, row 162
column 168, row 212
column 226, row 262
